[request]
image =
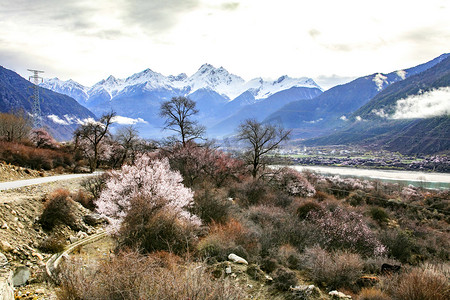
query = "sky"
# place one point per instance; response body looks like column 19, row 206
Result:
column 330, row 41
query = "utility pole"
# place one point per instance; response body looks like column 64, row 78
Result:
column 36, row 104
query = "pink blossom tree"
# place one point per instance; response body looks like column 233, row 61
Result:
column 42, row 139
column 149, row 179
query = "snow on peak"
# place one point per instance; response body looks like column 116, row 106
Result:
column 219, row 80
column 68, row 87
column 380, row 80
column 264, row 88
column 206, row 77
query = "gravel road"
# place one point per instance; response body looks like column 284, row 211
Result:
column 21, row 183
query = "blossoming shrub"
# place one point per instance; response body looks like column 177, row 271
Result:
column 147, row 206
column 147, row 179
column 341, row 229
column 294, row 183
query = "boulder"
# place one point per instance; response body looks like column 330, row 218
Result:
column 5, row 246
column 94, row 219
column 237, row 259
column 82, row 235
column 21, row 276
column 339, row 295
column 305, row 291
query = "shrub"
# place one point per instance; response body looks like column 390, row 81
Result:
column 84, row 199
column 426, row 282
column 148, row 229
column 399, row 244
column 58, row 210
column 53, row 244
column 269, row 264
column 198, row 163
column 211, row 206
column 379, row 215
column 341, row 229
column 277, row 226
column 150, row 180
column 95, row 184
column 288, row 256
column 336, row 270
column 254, row 192
column 293, row 183
column 231, row 237
column 372, row 294
column 356, row 198
column 33, row 158
column 305, row 208
column 133, row 276
column 284, row 278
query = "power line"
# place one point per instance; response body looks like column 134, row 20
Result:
column 36, row 108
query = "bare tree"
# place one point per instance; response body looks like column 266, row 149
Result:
column 90, row 135
column 128, row 138
column 178, row 113
column 14, row 127
column 260, row 139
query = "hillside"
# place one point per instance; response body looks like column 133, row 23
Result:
column 406, row 117
column 60, row 113
column 329, row 111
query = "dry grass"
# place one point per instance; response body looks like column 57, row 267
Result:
column 133, row 276
column 427, row 282
column 372, row 294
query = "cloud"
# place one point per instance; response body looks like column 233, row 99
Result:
column 329, row 81
column 156, row 16
column 230, row 5
column 429, row 104
column 128, row 121
column 58, row 120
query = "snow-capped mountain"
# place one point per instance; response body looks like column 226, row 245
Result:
column 218, row 80
column 69, row 87
column 218, row 93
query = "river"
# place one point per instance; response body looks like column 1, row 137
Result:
column 419, row 179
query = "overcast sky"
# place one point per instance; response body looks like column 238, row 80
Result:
column 331, row 41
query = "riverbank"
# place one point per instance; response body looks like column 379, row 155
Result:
column 419, row 179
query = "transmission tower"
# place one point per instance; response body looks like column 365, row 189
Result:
column 36, row 104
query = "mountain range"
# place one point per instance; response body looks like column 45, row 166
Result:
column 219, row 94
column 389, row 111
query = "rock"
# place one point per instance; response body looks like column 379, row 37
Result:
column 237, row 259
column 305, row 291
column 339, row 295
column 3, row 260
column 4, row 225
column 82, row 235
column 40, row 291
column 38, row 255
column 228, row 270
column 73, row 239
column 21, row 276
column 5, row 246
column 94, row 219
